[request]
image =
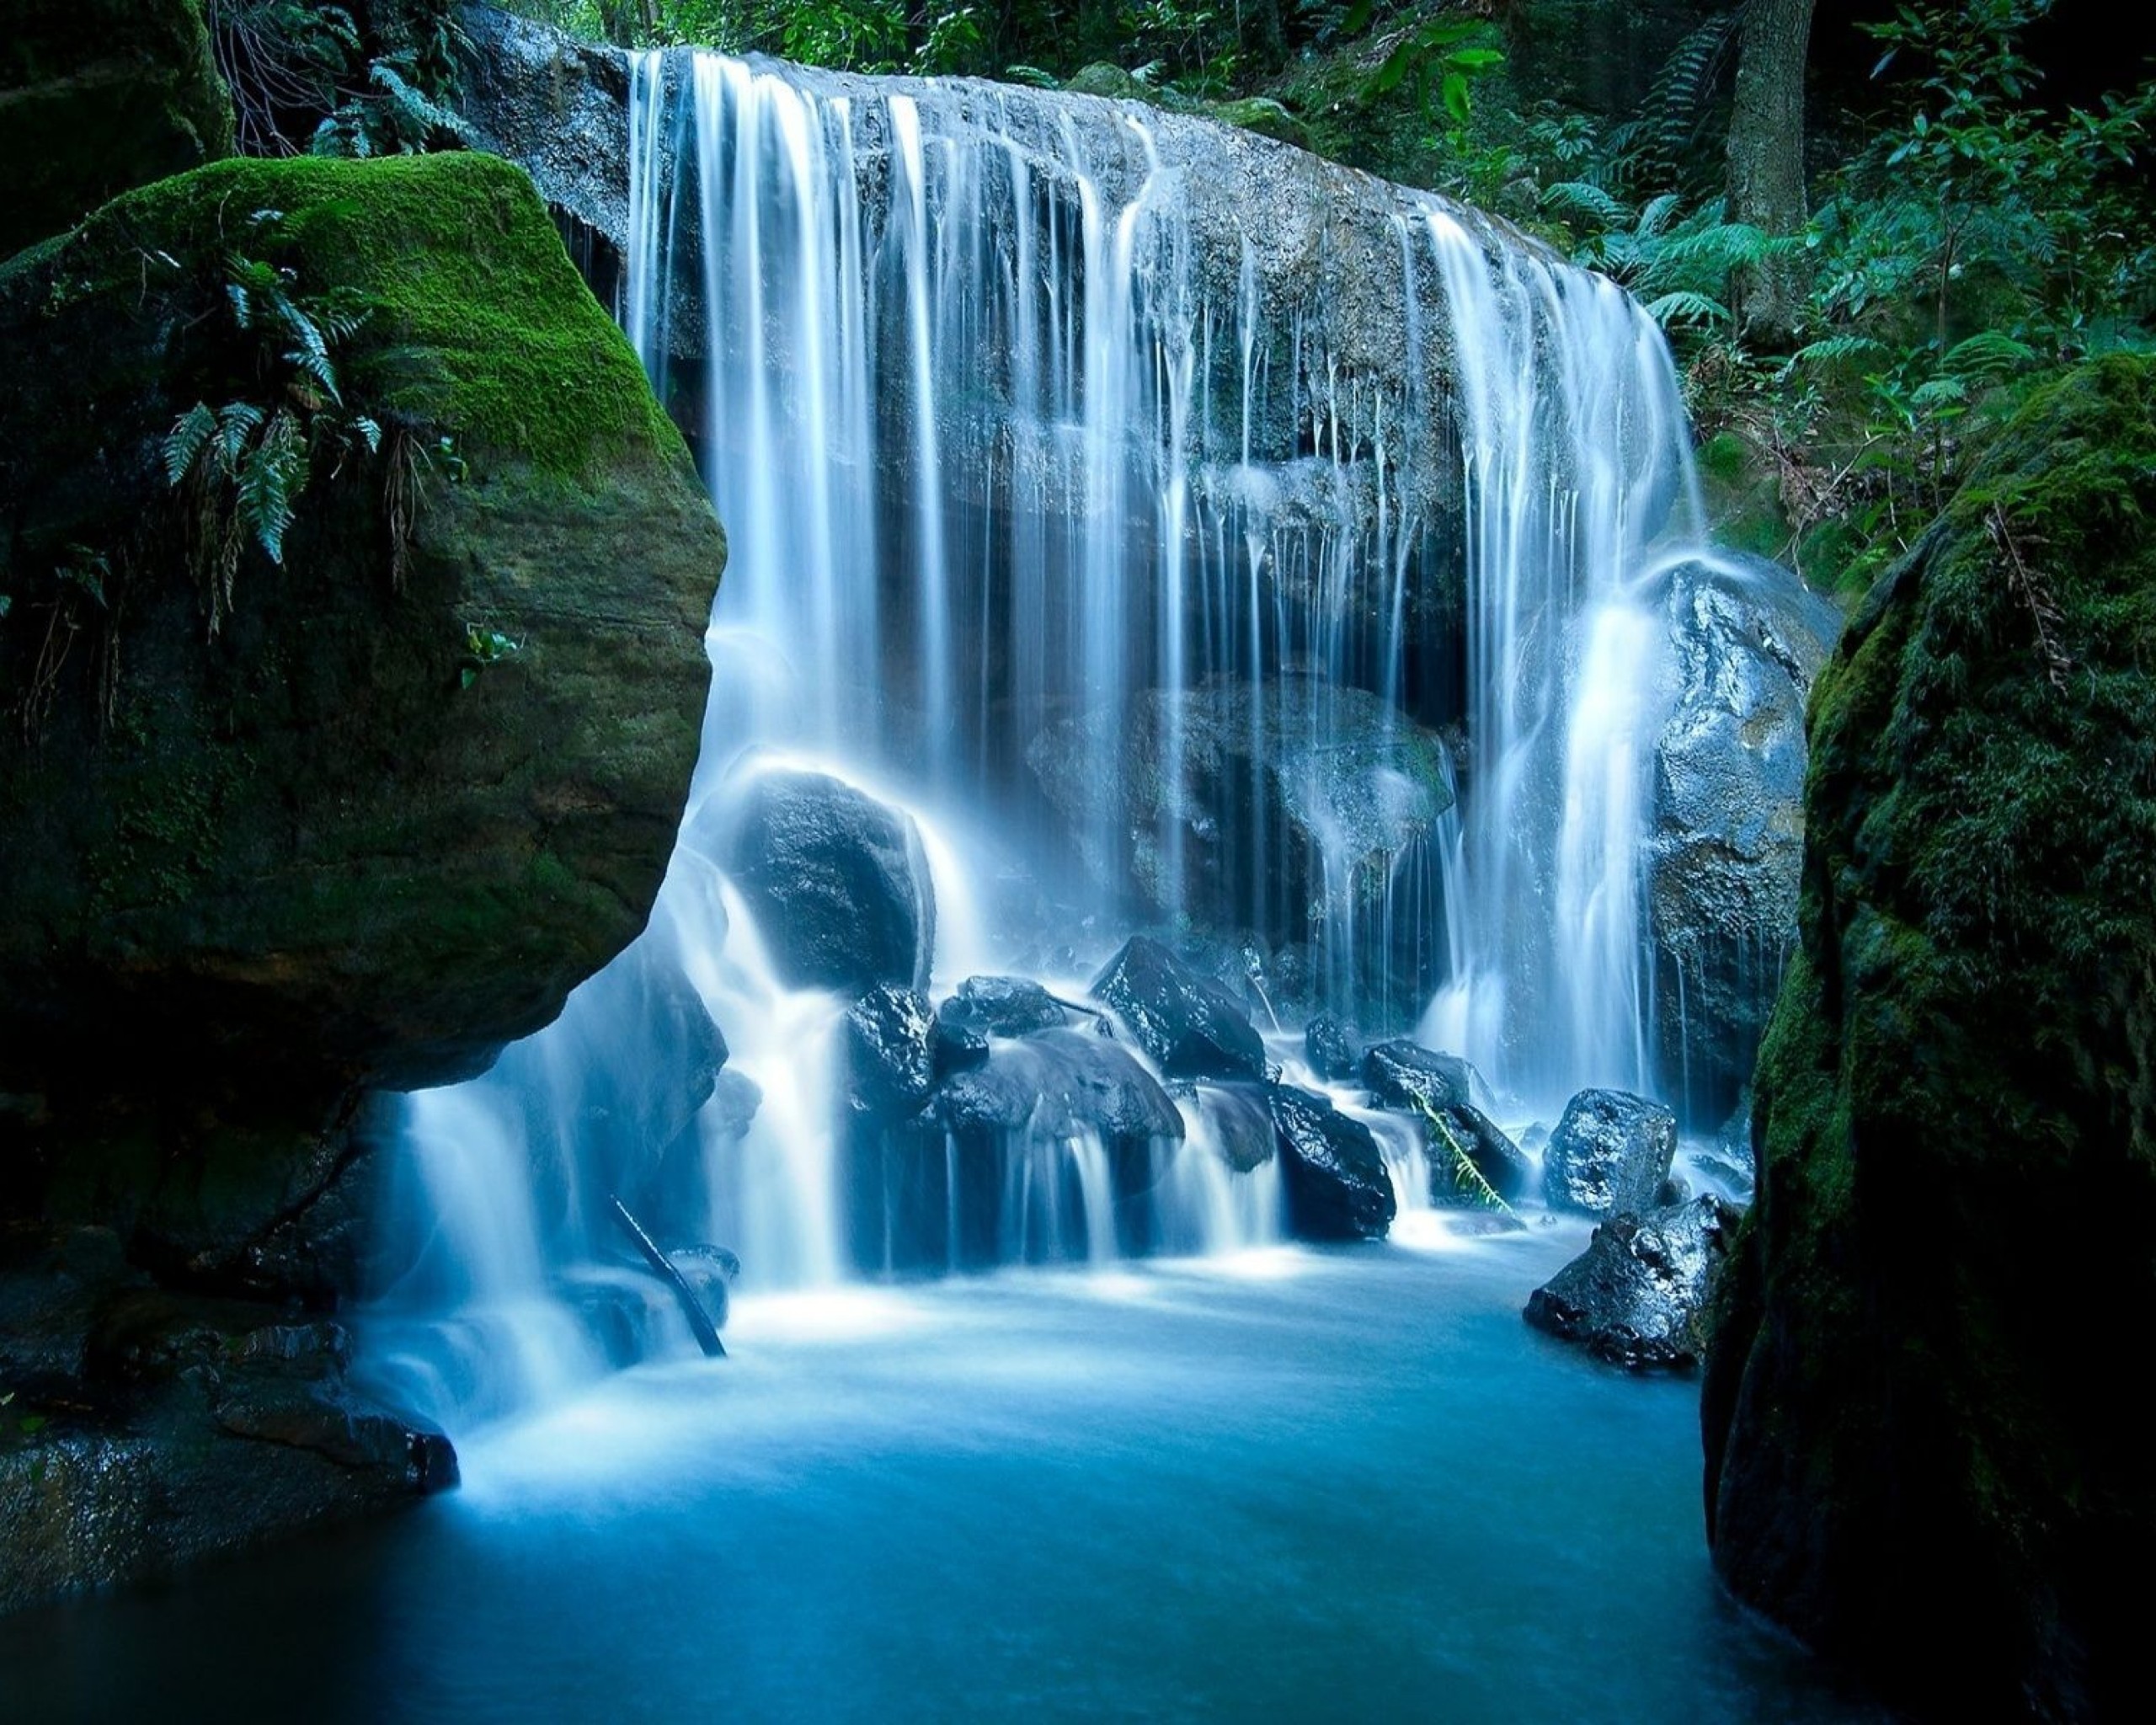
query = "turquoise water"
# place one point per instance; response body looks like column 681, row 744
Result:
column 1294, row 1485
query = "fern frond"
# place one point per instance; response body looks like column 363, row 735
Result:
column 189, row 436
column 237, row 422
column 1688, row 308
column 1988, row 356
column 275, row 472
column 1588, row 198
column 415, row 109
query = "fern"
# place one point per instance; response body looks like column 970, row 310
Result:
column 1468, row 1180
column 1686, row 307
column 274, row 474
column 191, row 435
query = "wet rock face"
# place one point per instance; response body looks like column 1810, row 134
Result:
column 1001, row 1005
column 1405, row 1075
column 1728, row 843
column 1058, row 1084
column 1188, row 1025
column 1329, row 1048
column 838, row 883
column 152, row 1429
column 1340, row 785
column 1914, row 1388
column 1609, row 1155
column 1637, row 1296
column 1338, row 1187
column 1472, row 1160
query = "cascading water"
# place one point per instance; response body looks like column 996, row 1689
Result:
column 1093, row 514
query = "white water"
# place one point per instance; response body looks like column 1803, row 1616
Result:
column 1005, row 434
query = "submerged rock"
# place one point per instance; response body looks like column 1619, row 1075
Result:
column 1609, row 1155
column 1188, row 1025
column 1637, row 1296
column 1937, row 1303
column 890, row 1062
column 837, row 881
column 1338, row 1187
column 1727, row 842
column 1237, row 1119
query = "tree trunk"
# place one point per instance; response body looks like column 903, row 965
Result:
column 1766, row 158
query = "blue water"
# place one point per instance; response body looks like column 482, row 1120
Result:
column 1300, row 1485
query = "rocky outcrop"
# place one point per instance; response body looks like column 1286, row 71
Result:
column 1637, row 1296
column 1914, row 1388
column 838, row 883
column 1329, row 1049
column 279, row 828
column 1609, row 1155
column 887, row 1038
column 1728, row 843
column 333, row 841
column 1187, row 1023
column 98, row 97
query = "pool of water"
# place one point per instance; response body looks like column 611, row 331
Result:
column 1291, row 1485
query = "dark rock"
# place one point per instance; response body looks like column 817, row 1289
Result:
column 1056, row 1084
column 1929, row 1322
column 1637, row 1296
column 1728, row 843
column 1497, row 1163
column 1189, row 1026
column 735, row 1098
column 97, row 96
column 957, row 1048
column 1609, row 1153
column 838, row 883
column 301, row 853
column 1406, row 1076
column 890, row 1062
column 1001, row 1005
column 1329, row 1048
column 1338, row 1187
column 196, row 1428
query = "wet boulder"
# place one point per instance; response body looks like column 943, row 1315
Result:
column 1406, row 1076
column 837, row 881
column 1472, row 1160
column 1338, row 1187
column 888, row 1036
column 1188, row 1025
column 1637, row 1296
column 1329, row 1048
column 1058, row 1084
column 1001, row 1005
column 711, row 1272
column 1609, row 1153
column 1727, row 847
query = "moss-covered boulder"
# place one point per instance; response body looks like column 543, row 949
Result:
column 97, row 96
column 362, row 814
column 1917, row 1455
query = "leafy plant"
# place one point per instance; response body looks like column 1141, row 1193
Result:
column 1468, row 1180
column 484, row 645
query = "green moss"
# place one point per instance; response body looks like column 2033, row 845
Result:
column 99, row 95
column 460, row 262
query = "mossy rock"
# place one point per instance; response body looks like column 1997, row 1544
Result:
column 329, row 843
column 1913, row 1391
column 97, row 96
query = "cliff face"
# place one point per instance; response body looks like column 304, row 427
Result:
column 281, row 829
column 1916, row 1456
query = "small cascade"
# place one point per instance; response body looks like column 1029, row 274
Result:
column 1257, row 565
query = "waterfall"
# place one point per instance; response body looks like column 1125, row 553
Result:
column 1174, row 536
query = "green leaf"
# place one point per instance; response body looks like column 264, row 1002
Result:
column 1474, row 59
column 1454, row 91
column 189, row 436
column 31, row 1424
